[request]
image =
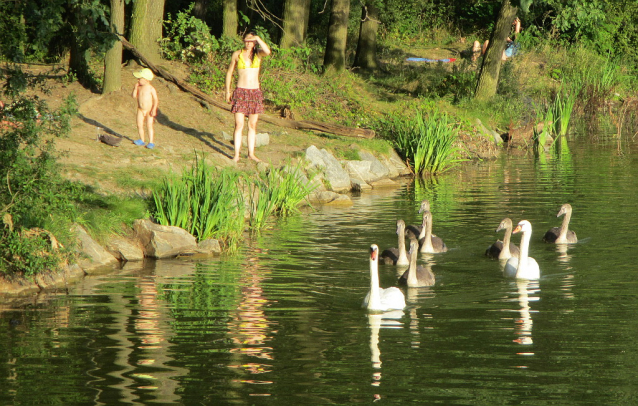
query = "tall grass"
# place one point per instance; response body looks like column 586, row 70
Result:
column 425, row 141
column 277, row 191
column 212, row 203
column 203, row 200
column 556, row 118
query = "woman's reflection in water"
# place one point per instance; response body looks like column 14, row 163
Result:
column 249, row 328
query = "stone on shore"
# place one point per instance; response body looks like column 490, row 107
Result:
column 163, row 241
column 92, row 255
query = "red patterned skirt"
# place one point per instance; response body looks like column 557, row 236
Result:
column 247, row 101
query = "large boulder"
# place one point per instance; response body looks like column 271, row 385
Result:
column 377, row 169
column 93, row 256
column 329, row 168
column 163, row 241
column 125, row 249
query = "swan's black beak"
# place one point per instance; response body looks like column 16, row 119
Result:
column 373, row 253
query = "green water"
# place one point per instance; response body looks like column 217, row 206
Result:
column 282, row 323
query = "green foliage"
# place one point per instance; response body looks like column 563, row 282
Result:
column 187, row 38
column 209, row 203
column 425, row 141
column 27, row 253
column 204, row 201
column 33, row 195
column 460, row 83
column 103, row 215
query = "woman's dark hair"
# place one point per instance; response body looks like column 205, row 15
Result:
column 252, row 52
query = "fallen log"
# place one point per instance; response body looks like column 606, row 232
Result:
column 297, row 125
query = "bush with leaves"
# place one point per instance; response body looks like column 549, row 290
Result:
column 33, row 195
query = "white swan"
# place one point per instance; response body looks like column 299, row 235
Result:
column 503, row 249
column 416, row 276
column 562, row 234
column 379, row 299
column 430, row 244
column 397, row 256
column 524, row 267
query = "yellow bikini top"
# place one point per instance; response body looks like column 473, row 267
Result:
column 241, row 63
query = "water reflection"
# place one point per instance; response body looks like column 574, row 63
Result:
column 147, row 366
column 376, row 322
column 527, row 292
column 249, row 328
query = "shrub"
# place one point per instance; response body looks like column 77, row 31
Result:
column 425, row 141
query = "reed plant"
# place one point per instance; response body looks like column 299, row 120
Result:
column 563, row 108
column 204, row 201
column 278, row 191
column 425, row 141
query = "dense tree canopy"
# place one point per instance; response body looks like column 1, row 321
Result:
column 54, row 30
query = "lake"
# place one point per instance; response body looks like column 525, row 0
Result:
column 281, row 322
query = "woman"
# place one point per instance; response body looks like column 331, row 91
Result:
column 247, row 99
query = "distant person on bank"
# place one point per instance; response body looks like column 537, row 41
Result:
column 247, row 99
column 511, row 47
column 147, row 103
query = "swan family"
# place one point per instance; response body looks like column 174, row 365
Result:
column 518, row 263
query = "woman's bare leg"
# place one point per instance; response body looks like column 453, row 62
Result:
column 239, row 128
column 252, row 135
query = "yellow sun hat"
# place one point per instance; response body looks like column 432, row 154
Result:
column 145, row 73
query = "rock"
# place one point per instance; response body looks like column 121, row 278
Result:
column 261, row 139
column 163, row 241
column 209, row 246
column 15, row 286
column 124, row 249
column 490, row 134
column 335, row 176
column 329, row 197
column 359, row 185
column 398, row 164
column 377, row 169
column 92, row 255
column 382, row 183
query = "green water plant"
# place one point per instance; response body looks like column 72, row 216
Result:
column 204, row 201
column 279, row 191
column 426, row 141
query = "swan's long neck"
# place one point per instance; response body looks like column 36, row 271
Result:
column 423, row 225
column 505, row 251
column 524, row 255
column 401, row 233
column 565, row 226
column 427, row 242
column 412, row 279
column 375, row 290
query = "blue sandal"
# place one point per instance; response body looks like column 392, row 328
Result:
column 150, row 145
column 139, row 142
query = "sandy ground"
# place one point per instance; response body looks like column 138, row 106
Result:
column 184, row 127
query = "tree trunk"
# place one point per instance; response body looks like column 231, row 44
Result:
column 491, row 67
column 200, row 9
column 146, row 27
column 294, row 23
column 366, row 56
column 113, row 58
column 335, row 58
column 230, row 18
